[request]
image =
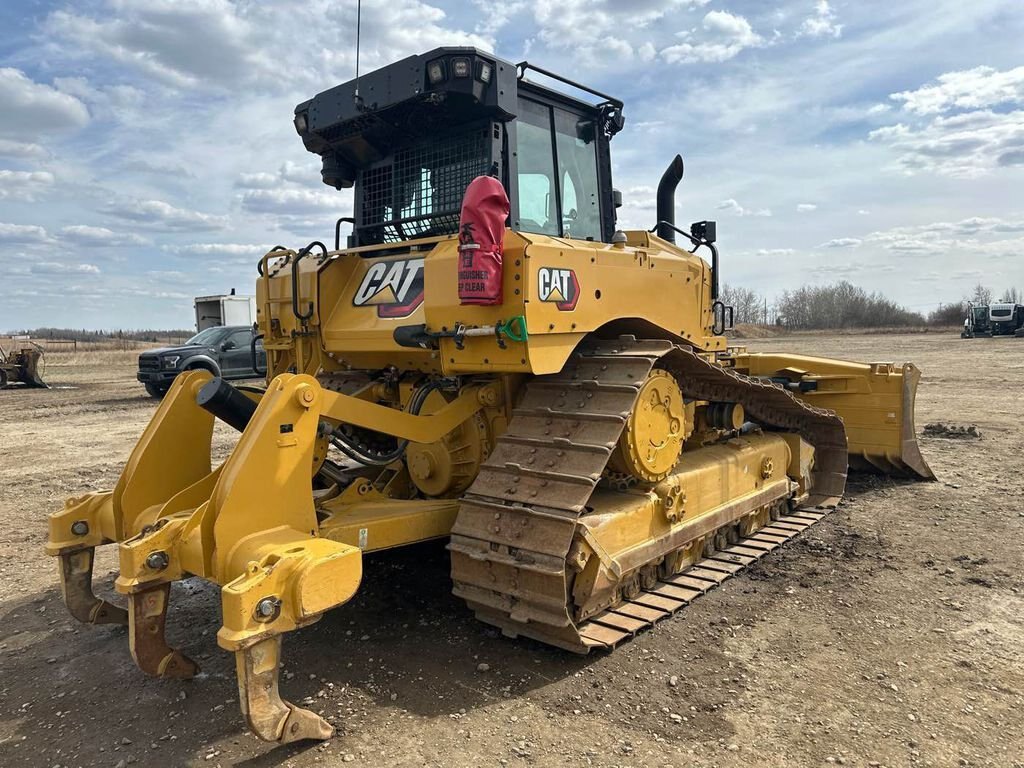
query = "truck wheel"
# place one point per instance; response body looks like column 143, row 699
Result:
column 155, row 391
column 3, row 378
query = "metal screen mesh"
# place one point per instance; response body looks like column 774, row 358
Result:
column 418, row 192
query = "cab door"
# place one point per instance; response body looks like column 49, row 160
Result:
column 236, row 354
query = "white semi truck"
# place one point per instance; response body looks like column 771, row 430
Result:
column 224, row 309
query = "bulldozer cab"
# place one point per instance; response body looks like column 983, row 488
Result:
column 411, row 136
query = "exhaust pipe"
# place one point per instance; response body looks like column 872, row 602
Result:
column 667, row 198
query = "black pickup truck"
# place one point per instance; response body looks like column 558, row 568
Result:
column 225, row 351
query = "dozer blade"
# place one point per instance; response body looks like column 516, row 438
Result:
column 30, row 373
column 32, row 377
column 874, row 400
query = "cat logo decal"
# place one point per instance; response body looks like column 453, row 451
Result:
column 394, row 287
column 558, row 286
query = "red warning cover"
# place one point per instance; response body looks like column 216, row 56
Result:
column 481, row 240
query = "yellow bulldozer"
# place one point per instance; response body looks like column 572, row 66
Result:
column 488, row 358
column 22, row 363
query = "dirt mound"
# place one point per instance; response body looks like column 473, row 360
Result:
column 952, row 431
column 750, row 331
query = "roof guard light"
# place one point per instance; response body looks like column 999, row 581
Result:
column 436, row 71
column 484, row 70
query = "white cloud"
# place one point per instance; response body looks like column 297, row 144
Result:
column 578, row 23
column 772, row 252
column 86, row 235
column 219, row 44
column 260, row 180
column 493, row 17
column 22, row 234
column 293, row 202
column 990, row 235
column 724, row 36
column 31, row 109
column 59, row 268
column 822, row 23
column 178, row 43
column 158, row 214
column 104, row 101
column 806, row 207
column 157, row 167
column 288, row 173
column 965, row 145
column 976, row 88
column 833, row 271
column 977, row 231
column 220, row 249
column 22, row 150
column 640, row 197
column 732, row 206
column 24, row 185
column 299, row 173
column 973, row 225
column 963, row 126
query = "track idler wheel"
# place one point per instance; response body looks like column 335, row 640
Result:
column 655, row 429
column 269, row 716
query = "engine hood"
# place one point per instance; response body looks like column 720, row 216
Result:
column 186, row 349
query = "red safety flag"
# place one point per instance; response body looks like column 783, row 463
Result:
column 481, row 240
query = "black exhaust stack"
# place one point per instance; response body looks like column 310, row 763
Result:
column 667, row 198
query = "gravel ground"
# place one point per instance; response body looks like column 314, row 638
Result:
column 891, row 634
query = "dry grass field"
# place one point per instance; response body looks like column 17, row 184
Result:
column 891, row 634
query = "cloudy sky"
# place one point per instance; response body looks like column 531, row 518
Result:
column 147, row 153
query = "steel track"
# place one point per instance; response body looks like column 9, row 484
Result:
column 518, row 519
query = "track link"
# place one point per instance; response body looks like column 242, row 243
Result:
column 620, row 623
column 518, row 519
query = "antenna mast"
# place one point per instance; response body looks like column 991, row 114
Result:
column 359, row 23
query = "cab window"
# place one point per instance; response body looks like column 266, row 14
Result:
column 557, row 184
column 537, row 211
column 577, row 165
column 240, row 339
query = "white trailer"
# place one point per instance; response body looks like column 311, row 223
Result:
column 226, row 309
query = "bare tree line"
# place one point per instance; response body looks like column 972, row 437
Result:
column 984, row 295
column 844, row 305
column 833, row 306
column 82, row 334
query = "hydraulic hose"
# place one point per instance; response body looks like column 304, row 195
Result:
column 355, row 452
